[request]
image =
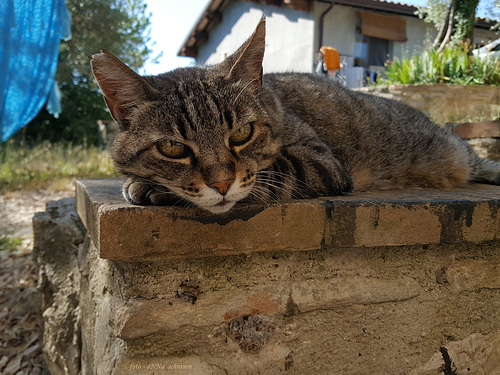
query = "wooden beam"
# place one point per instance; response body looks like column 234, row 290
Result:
column 189, row 52
column 201, row 37
column 214, row 17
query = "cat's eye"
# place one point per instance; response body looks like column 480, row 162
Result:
column 241, row 135
column 172, row 149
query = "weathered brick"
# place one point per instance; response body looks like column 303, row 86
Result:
column 472, row 275
column 389, row 225
column 444, row 102
column 126, row 232
column 483, row 129
column 140, row 318
column 344, row 307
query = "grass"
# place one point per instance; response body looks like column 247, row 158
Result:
column 10, row 244
column 51, row 166
column 453, row 65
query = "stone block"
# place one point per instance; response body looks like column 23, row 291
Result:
column 488, row 148
column 126, row 232
column 447, row 103
column 469, row 130
column 382, row 283
column 472, row 275
column 58, row 232
column 476, row 354
column 139, row 318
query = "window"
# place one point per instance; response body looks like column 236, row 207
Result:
column 370, row 51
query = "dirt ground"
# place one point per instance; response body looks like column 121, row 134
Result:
column 20, row 304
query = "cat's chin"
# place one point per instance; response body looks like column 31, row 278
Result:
column 220, row 208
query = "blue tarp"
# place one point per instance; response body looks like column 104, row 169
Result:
column 30, row 33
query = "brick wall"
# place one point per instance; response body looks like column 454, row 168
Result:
column 382, row 283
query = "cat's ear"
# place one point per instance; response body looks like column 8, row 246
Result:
column 248, row 66
column 123, row 88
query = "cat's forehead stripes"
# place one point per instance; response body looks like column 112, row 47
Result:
column 201, row 109
column 184, row 121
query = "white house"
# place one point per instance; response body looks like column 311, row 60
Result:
column 365, row 32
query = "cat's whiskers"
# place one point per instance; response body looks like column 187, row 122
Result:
column 280, row 185
column 185, row 203
column 152, row 182
column 261, row 194
column 292, row 177
column 289, row 181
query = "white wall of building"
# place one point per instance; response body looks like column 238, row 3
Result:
column 292, row 38
column 289, row 37
column 419, row 34
column 340, row 25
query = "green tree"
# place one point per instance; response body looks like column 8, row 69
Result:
column 119, row 26
column 454, row 19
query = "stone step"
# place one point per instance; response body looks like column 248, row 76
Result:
column 126, row 232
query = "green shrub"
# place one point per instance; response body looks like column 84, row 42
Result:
column 452, row 65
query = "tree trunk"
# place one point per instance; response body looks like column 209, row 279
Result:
column 442, row 31
column 451, row 25
column 458, row 25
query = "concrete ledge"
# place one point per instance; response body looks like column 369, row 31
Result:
column 390, row 218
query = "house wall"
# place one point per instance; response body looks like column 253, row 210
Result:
column 292, row 39
column 288, row 43
column 418, row 33
column 340, row 25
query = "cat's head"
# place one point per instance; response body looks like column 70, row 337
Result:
column 204, row 133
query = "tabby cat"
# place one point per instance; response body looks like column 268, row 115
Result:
column 213, row 136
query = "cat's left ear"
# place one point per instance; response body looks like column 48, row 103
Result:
column 248, row 67
column 123, row 88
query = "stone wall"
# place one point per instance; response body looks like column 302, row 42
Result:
column 386, row 283
column 58, row 233
column 483, row 137
column 446, row 103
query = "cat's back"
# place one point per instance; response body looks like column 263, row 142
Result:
column 383, row 143
column 346, row 117
column 319, row 100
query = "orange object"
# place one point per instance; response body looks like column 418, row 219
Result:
column 331, row 58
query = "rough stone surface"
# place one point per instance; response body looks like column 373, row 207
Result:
column 99, row 294
column 361, row 220
column 483, row 137
column 488, row 148
column 332, row 311
column 470, row 130
column 476, row 354
column 446, row 103
column 58, row 231
column 328, row 309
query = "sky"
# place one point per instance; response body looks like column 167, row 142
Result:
column 171, row 21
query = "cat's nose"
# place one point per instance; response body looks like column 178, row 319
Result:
column 222, row 186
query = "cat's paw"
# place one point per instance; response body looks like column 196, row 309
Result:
column 145, row 193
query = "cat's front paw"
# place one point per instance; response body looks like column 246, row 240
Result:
column 145, row 193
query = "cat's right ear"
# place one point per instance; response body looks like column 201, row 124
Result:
column 122, row 88
column 248, row 66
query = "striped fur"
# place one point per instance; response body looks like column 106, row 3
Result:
column 308, row 136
